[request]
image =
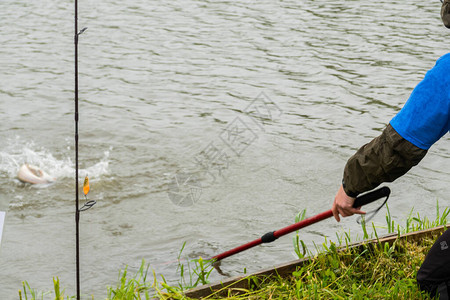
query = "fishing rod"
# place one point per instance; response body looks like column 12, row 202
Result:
column 91, row 203
column 77, row 212
column 273, row 235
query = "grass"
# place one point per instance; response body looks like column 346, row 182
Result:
column 136, row 287
column 380, row 272
column 413, row 223
column 336, row 271
column 29, row 293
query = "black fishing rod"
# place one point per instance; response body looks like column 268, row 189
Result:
column 88, row 204
column 77, row 212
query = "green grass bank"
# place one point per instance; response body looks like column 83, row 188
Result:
column 334, row 270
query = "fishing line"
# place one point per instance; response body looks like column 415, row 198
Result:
column 87, row 205
column 371, row 214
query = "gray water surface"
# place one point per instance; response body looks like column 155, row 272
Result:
column 163, row 84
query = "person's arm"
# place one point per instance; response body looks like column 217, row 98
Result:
column 422, row 121
column 384, row 159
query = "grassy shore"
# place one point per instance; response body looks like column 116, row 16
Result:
column 338, row 271
column 335, row 271
column 380, row 272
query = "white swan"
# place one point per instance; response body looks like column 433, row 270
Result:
column 32, row 174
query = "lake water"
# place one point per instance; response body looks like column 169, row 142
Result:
column 252, row 107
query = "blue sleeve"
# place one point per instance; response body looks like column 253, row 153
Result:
column 424, row 118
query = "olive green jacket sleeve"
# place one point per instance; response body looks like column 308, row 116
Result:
column 384, row 159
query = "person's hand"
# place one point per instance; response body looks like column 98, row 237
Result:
column 343, row 205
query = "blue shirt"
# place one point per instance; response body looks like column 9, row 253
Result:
column 425, row 117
